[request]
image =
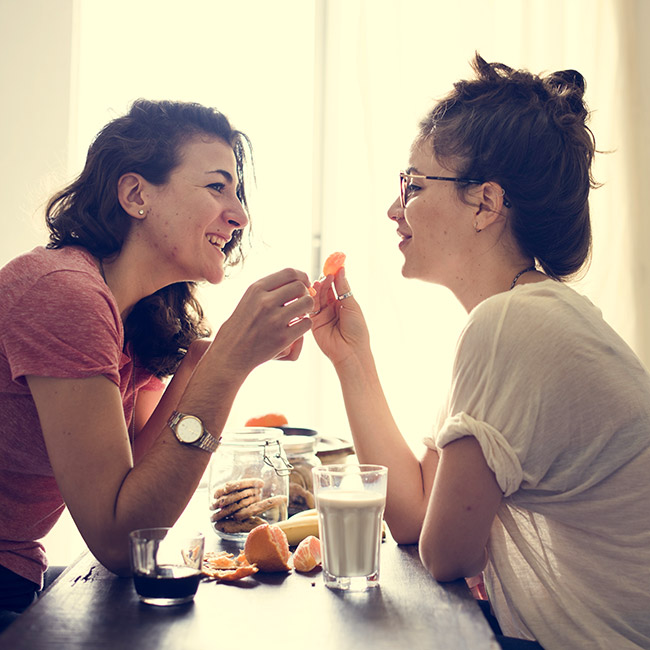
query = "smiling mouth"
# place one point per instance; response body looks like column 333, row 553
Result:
column 217, row 241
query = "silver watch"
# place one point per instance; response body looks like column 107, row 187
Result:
column 189, row 430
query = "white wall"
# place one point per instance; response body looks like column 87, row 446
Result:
column 35, row 77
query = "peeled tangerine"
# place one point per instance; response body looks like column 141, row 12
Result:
column 267, row 547
column 308, row 554
column 268, row 420
column 333, row 263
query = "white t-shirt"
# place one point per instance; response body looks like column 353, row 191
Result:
column 560, row 406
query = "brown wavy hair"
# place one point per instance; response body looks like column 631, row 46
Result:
column 529, row 134
column 87, row 213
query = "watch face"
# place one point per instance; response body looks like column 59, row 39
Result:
column 189, row 429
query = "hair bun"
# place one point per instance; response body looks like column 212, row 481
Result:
column 570, row 79
column 569, row 85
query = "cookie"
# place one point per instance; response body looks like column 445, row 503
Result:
column 241, row 484
column 235, row 526
column 233, row 497
column 259, row 507
column 232, row 508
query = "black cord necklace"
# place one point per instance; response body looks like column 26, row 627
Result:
column 514, row 281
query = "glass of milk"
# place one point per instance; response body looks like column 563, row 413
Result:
column 350, row 500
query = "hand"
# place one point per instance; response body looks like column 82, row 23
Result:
column 269, row 321
column 338, row 325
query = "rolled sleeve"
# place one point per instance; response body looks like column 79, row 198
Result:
column 499, row 455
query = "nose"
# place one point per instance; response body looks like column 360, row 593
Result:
column 236, row 215
column 396, row 211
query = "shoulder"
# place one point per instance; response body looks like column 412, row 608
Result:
column 539, row 307
column 54, row 281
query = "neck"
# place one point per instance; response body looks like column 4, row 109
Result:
column 485, row 279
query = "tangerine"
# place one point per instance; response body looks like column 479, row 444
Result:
column 308, row 554
column 267, row 547
column 333, row 263
column 268, row 420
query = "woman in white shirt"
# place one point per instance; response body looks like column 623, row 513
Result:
column 537, row 471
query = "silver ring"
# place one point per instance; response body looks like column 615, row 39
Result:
column 345, row 295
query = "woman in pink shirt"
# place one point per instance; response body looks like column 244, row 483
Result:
column 91, row 324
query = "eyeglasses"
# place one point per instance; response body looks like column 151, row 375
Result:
column 405, row 182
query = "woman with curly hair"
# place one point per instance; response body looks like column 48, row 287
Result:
column 91, row 323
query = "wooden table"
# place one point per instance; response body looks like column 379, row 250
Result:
column 89, row 607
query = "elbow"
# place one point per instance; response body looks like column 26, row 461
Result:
column 440, row 570
column 115, row 558
column 446, row 562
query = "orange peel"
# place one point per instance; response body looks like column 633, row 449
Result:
column 225, row 567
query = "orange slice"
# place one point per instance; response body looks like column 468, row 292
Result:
column 308, row 555
column 333, row 263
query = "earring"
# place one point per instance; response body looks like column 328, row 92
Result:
column 140, row 211
column 476, row 228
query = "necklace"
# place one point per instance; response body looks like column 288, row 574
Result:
column 514, row 281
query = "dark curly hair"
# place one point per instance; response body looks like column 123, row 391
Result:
column 87, row 213
column 529, row 134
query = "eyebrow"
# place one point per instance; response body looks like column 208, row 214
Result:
column 223, row 172
column 413, row 170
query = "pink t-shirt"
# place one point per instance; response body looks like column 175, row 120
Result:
column 57, row 319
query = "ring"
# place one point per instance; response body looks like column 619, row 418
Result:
column 345, row 295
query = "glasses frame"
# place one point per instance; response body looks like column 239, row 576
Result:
column 403, row 176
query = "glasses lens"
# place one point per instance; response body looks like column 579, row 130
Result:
column 403, row 182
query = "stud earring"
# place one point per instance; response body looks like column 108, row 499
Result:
column 476, row 228
column 141, row 211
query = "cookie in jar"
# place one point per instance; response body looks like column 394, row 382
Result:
column 249, row 482
column 301, row 454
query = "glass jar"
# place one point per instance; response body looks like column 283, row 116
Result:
column 301, row 453
column 249, row 482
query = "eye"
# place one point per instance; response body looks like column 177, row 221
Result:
column 217, row 187
column 411, row 188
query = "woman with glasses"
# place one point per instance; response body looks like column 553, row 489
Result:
column 91, row 324
column 536, row 472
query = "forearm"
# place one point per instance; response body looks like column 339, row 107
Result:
column 378, row 440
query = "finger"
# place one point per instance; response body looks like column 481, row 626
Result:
column 341, row 283
column 292, row 352
column 281, row 278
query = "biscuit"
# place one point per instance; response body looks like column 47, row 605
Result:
column 235, row 526
column 242, row 483
column 231, row 508
column 236, row 495
column 260, row 507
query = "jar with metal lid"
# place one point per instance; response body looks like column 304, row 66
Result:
column 301, row 453
column 249, row 482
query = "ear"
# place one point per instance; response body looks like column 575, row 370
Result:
column 130, row 194
column 489, row 197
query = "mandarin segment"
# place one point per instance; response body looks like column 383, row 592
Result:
column 308, row 555
column 333, row 263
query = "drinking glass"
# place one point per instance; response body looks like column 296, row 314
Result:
column 166, row 565
column 350, row 500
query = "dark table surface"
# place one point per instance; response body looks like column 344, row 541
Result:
column 89, row 607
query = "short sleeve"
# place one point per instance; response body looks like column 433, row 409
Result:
column 499, row 455
column 65, row 325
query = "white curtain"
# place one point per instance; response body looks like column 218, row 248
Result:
column 330, row 92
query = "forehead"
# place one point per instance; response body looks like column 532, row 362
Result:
column 203, row 154
column 421, row 157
